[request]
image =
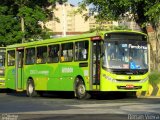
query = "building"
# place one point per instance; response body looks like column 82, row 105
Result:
column 94, row 24
column 127, row 20
column 130, row 24
column 70, row 23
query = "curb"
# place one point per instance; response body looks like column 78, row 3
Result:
column 153, row 91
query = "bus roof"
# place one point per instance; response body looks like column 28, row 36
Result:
column 76, row 37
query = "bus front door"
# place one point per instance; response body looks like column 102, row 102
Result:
column 19, row 69
column 96, row 45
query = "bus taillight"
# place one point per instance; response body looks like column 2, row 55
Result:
column 96, row 38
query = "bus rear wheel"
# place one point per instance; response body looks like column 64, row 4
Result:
column 31, row 88
column 80, row 90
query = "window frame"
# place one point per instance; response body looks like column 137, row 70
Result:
column 9, row 59
column 30, row 56
column 67, row 52
column 75, row 51
column 59, row 50
column 43, row 61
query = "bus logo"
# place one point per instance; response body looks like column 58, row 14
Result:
column 67, row 70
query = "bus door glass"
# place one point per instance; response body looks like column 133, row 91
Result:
column 96, row 62
column 19, row 67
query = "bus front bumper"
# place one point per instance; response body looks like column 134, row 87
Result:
column 2, row 83
column 107, row 85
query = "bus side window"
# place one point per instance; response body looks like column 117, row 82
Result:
column 67, row 52
column 11, row 58
column 81, row 50
column 30, row 56
column 70, row 55
column 53, row 55
column 41, row 54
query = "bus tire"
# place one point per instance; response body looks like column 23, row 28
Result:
column 31, row 88
column 80, row 90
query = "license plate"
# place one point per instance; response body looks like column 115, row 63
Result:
column 129, row 86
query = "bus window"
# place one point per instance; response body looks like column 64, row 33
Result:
column 42, row 54
column 30, row 56
column 2, row 57
column 11, row 57
column 67, row 52
column 81, row 50
column 53, row 53
column 1, row 60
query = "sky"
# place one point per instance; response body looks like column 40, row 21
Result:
column 74, row 2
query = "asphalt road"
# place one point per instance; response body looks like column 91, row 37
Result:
column 19, row 107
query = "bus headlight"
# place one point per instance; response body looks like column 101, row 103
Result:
column 1, row 72
column 144, row 80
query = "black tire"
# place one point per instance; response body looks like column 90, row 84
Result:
column 80, row 90
column 40, row 93
column 31, row 88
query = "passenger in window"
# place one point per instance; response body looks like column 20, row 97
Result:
column 62, row 58
column 39, row 59
column 84, row 53
column 65, row 55
column 55, row 55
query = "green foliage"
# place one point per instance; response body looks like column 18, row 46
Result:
column 32, row 11
column 154, row 77
column 9, row 30
column 139, row 10
column 154, row 11
column 154, row 15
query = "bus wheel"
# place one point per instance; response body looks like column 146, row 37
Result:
column 80, row 90
column 31, row 89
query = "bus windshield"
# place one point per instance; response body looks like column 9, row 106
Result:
column 125, row 55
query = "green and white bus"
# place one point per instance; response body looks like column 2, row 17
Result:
column 95, row 62
column 2, row 67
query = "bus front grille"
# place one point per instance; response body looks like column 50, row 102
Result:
column 118, row 80
column 129, row 88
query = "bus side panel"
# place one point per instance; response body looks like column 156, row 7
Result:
column 62, row 76
column 54, row 78
column 44, row 76
column 68, row 74
column 10, row 78
column 38, row 74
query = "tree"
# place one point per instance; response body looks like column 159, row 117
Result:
column 116, row 9
column 9, row 28
column 154, row 20
column 144, row 12
column 20, row 19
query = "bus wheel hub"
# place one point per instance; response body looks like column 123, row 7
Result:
column 81, row 89
column 30, row 88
